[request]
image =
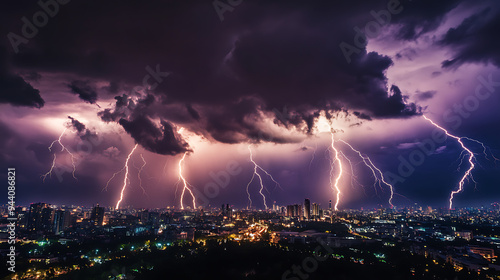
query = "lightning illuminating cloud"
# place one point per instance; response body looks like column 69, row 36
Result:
column 63, row 148
column 186, row 187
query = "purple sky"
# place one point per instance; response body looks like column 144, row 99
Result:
column 274, row 74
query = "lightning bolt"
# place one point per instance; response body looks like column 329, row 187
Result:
column 125, row 178
column 63, row 148
column 58, row 141
column 50, row 170
column 114, row 174
column 335, row 185
column 485, row 153
column 181, row 177
column 313, row 155
column 139, row 174
column 248, row 191
column 368, row 162
column 470, row 159
column 256, row 173
column 253, row 176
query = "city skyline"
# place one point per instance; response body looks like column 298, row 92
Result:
column 259, row 107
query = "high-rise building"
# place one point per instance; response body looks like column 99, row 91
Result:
column 62, row 220
column 315, row 210
column 97, row 216
column 47, row 218
column 294, row 210
column 36, row 216
column 226, row 211
column 330, row 205
column 289, row 210
column 307, row 209
column 67, row 220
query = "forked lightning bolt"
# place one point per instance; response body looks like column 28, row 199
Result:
column 63, row 148
column 125, row 178
column 368, row 162
column 335, row 185
column 186, row 187
column 251, row 180
column 256, row 173
column 471, row 162
column 139, row 174
column 51, row 168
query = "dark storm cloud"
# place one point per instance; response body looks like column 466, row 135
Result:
column 32, row 76
column 284, row 65
column 408, row 53
column 237, row 124
column 84, row 90
column 475, row 40
column 83, row 132
column 80, row 127
column 14, row 89
column 113, row 87
column 136, row 118
column 122, row 108
column 362, row 116
column 422, row 17
column 193, row 112
column 398, row 108
column 157, row 139
column 425, row 95
column 284, row 53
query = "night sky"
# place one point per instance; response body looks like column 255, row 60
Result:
column 212, row 77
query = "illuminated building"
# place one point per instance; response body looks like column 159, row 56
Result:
column 39, row 212
column 307, row 209
column 97, row 216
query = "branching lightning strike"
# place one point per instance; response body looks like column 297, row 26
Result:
column 186, row 187
column 368, row 162
column 467, row 173
column 125, row 178
column 139, row 174
column 51, row 168
column 63, row 148
column 256, row 173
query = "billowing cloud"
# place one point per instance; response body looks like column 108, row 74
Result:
column 472, row 41
column 14, row 89
column 160, row 139
column 421, row 17
column 425, row 95
column 83, row 132
column 283, row 57
column 84, row 90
